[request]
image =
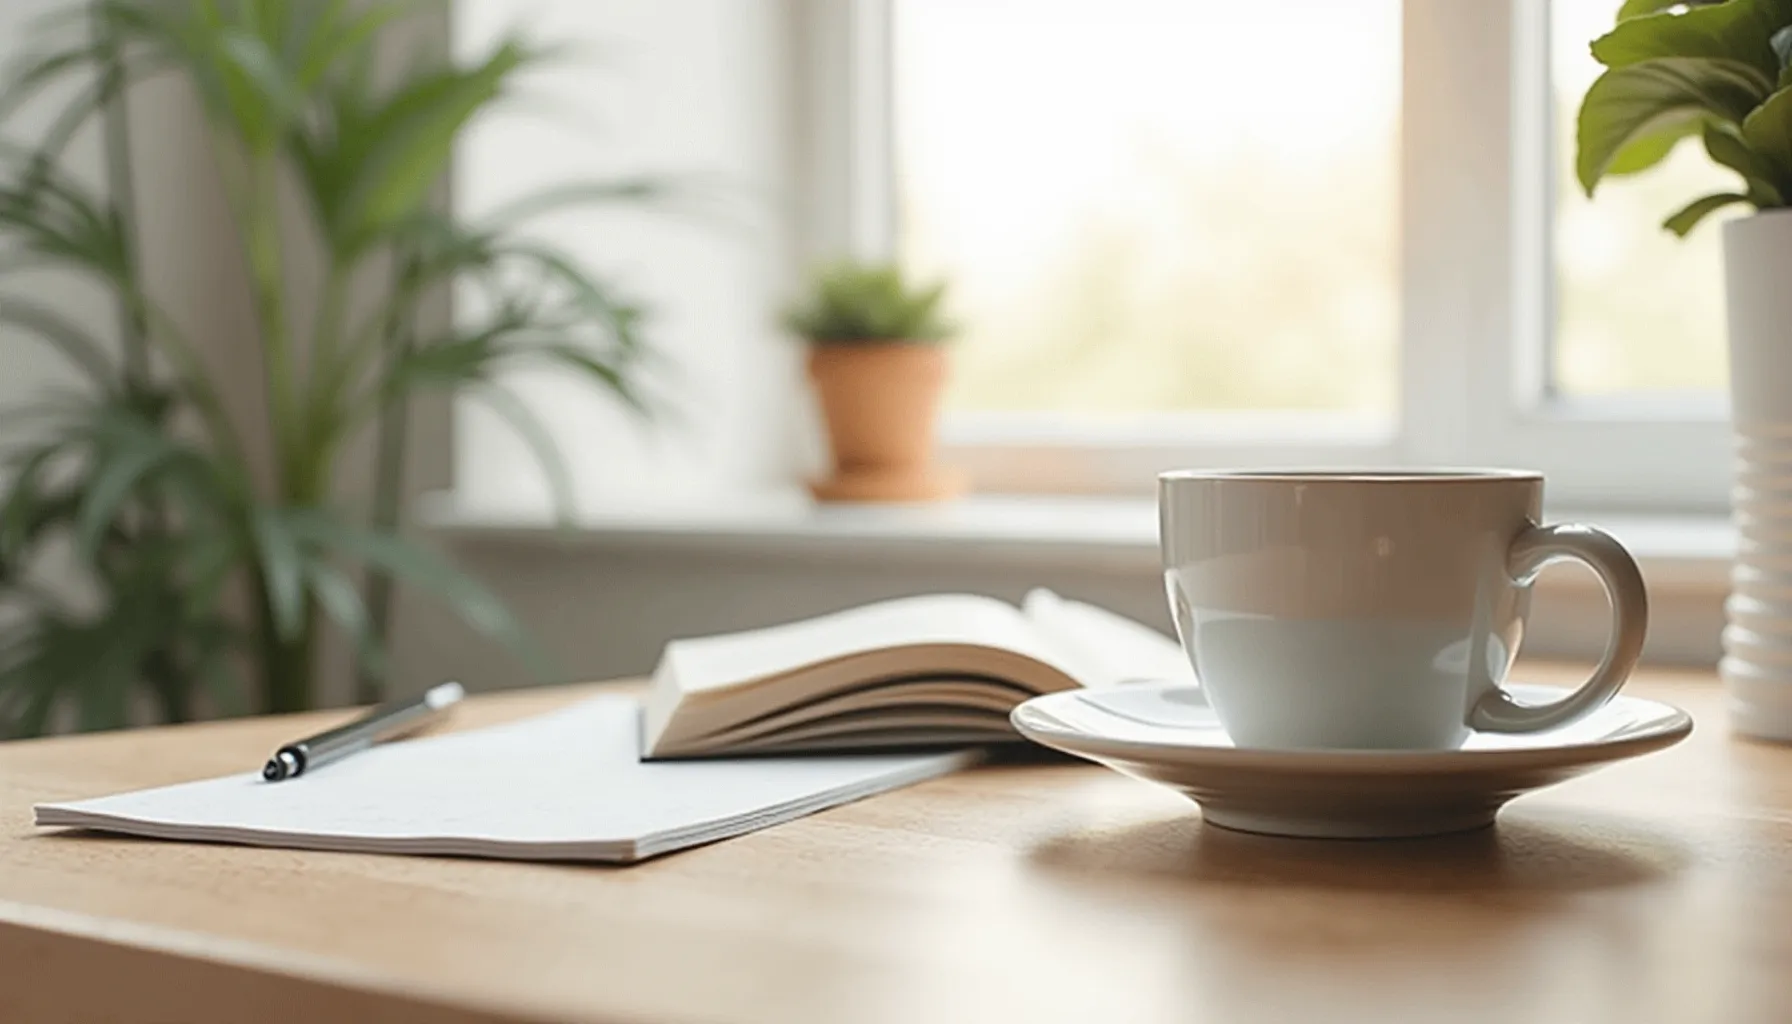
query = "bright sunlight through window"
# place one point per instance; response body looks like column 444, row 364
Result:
column 1156, row 205
column 1636, row 308
column 1180, row 205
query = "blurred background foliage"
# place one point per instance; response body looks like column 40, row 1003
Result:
column 210, row 567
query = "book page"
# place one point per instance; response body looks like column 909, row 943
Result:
column 1101, row 648
column 715, row 662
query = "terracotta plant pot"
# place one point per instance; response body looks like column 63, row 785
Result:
column 881, row 401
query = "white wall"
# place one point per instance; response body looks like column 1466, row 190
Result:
column 700, row 90
column 30, row 368
column 603, row 608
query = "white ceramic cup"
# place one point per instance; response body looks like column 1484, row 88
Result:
column 1374, row 610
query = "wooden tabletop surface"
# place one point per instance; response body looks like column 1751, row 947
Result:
column 1655, row 890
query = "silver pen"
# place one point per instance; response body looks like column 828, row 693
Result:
column 382, row 723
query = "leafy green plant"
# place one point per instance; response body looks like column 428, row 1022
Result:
column 1721, row 72
column 208, row 562
column 853, row 303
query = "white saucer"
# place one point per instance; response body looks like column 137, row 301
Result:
column 1166, row 732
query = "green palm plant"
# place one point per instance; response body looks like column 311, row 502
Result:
column 205, row 571
column 1718, row 71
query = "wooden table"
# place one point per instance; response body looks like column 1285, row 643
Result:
column 1658, row 890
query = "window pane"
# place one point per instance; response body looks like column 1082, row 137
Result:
column 1150, row 205
column 1637, row 309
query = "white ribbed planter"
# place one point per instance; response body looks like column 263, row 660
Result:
column 1757, row 663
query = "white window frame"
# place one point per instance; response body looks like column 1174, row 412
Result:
column 1476, row 292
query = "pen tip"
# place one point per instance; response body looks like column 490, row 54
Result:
column 281, row 766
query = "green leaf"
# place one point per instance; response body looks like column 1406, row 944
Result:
column 873, row 302
column 108, row 84
column 209, row 559
column 117, row 476
column 113, row 648
column 1645, row 152
column 1739, row 30
column 475, row 604
column 51, row 215
column 1689, row 216
column 29, row 686
column 265, row 98
column 613, row 377
column 1725, row 146
column 1768, row 133
column 27, row 78
column 283, row 570
column 373, row 166
column 40, row 701
column 221, row 683
column 335, row 43
column 559, row 197
column 590, row 298
column 1657, row 96
column 90, row 664
column 342, row 603
column 26, row 512
column 129, row 452
column 451, row 363
column 81, row 348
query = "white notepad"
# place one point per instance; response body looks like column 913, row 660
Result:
column 565, row 786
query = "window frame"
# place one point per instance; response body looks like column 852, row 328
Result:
column 1476, row 289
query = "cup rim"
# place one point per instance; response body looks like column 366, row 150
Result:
column 1372, row 476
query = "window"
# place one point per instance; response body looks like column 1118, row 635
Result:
column 1116, row 244
column 1637, row 310
column 1307, row 231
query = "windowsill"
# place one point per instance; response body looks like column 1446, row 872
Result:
column 1681, row 553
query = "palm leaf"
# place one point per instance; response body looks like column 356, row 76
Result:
column 340, row 38
column 471, row 600
column 127, row 452
column 164, row 523
column 616, row 376
column 282, row 563
column 339, row 599
column 557, row 198
column 370, row 167
column 108, row 661
column 82, row 349
column 28, row 687
column 264, row 99
column 111, row 483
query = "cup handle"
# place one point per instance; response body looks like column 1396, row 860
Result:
column 1537, row 547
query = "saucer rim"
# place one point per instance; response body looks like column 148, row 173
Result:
column 1675, row 727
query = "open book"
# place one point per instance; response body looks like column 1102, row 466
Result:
column 941, row 669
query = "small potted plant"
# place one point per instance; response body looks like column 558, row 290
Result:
column 1721, row 74
column 877, row 356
